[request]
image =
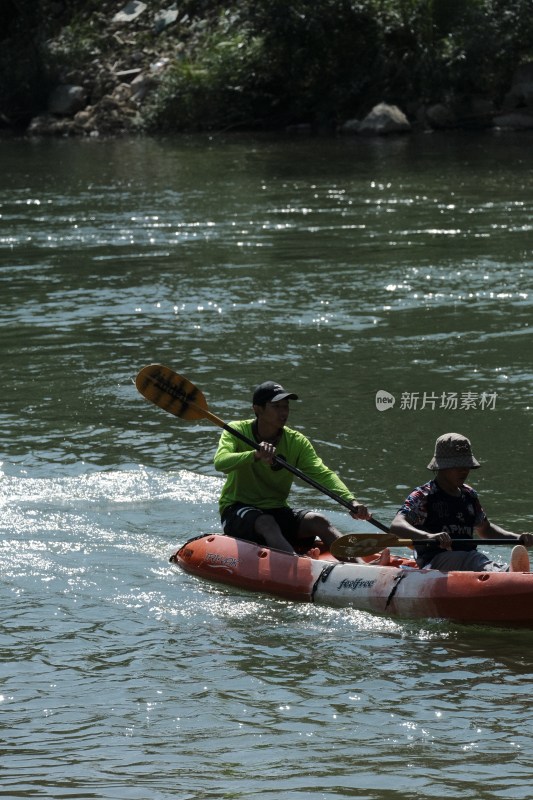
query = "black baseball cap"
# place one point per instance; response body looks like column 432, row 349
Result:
column 271, row 392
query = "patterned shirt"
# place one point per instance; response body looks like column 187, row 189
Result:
column 431, row 509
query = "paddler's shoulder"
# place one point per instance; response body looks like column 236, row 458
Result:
column 291, row 434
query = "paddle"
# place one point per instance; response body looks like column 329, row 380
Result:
column 363, row 544
column 179, row 396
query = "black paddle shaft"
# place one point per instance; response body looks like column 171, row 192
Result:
column 282, row 462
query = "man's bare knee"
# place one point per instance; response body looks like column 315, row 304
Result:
column 314, row 523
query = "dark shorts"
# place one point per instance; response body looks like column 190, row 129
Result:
column 239, row 521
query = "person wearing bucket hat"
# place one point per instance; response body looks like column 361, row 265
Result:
column 254, row 500
column 446, row 508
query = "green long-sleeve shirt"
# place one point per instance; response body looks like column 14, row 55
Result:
column 253, row 482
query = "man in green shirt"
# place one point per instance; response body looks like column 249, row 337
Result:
column 253, row 504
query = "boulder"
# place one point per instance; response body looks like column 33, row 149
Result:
column 384, row 119
column 461, row 112
column 66, row 99
column 515, row 120
column 440, row 116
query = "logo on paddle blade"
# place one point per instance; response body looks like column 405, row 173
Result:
column 384, row 400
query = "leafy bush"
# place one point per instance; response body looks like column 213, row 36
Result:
column 491, row 39
column 215, row 90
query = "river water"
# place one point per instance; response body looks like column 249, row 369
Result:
column 390, row 284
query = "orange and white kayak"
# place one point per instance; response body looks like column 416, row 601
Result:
column 397, row 589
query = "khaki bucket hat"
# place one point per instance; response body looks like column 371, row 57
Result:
column 453, row 450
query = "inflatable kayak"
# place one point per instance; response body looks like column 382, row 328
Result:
column 396, row 589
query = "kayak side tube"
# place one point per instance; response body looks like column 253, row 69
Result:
column 468, row 597
column 249, row 566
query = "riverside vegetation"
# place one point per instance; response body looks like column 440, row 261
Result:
column 110, row 66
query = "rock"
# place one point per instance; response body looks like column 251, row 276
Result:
column 83, row 118
column 122, row 93
column 440, row 115
column 165, row 18
column 113, row 114
column 384, row 119
column 350, row 126
column 515, row 120
column 66, row 100
column 130, row 12
column 128, row 74
column 141, row 86
column 49, row 125
column 159, row 65
column 461, row 112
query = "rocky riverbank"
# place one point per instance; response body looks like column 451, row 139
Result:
column 131, row 48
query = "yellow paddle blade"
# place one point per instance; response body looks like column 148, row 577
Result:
column 172, row 392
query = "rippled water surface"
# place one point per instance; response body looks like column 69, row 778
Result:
column 341, row 268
